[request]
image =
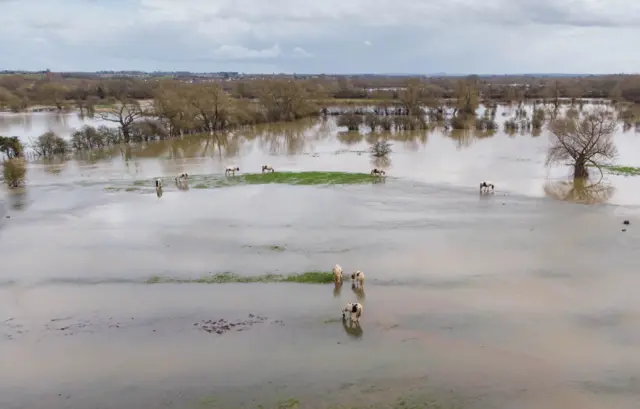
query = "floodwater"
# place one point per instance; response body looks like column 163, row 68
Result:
column 513, row 300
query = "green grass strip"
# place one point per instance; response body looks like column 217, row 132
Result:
column 310, row 277
column 285, row 178
column 622, row 170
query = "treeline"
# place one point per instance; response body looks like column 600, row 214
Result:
column 17, row 92
column 419, row 106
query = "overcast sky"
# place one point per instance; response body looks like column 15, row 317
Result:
column 330, row 36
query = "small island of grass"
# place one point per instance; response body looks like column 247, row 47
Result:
column 621, row 170
column 285, row 178
column 309, row 277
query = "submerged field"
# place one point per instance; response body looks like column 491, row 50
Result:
column 218, row 297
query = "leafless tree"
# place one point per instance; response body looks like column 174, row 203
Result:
column 212, row 106
column 583, row 142
column 125, row 111
column 414, row 96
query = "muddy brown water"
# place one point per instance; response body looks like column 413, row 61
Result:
column 513, row 300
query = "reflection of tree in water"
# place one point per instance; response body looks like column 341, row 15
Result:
column 93, row 156
column 412, row 140
column 193, row 146
column 381, row 162
column 18, row 198
column 463, row 138
column 289, row 138
column 55, row 166
column 480, row 134
column 220, row 144
column 579, row 191
column 350, row 138
column 19, row 121
column 353, row 330
column 323, row 130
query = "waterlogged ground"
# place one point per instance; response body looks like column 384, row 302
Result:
column 111, row 297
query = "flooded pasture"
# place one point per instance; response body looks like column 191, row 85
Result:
column 513, row 300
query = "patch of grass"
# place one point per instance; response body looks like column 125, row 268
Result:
column 208, row 402
column 131, row 189
column 308, row 178
column 288, row 404
column 287, row 178
column 310, row 277
column 276, row 248
column 622, row 170
column 350, row 101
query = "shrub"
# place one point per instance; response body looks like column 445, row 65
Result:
column 11, row 146
column 486, row 124
column 14, row 171
column 371, row 121
column 386, row 123
column 49, row 144
column 459, row 122
column 381, row 149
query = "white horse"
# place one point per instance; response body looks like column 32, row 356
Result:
column 354, row 309
column 231, row 170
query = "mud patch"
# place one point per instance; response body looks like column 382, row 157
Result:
column 12, row 329
column 64, row 327
column 221, row 326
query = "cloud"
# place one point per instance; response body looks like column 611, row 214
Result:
column 492, row 36
column 237, row 52
column 300, row 52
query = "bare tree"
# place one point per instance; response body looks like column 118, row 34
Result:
column 52, row 93
column 125, row 111
column 212, row 105
column 583, row 142
column 284, row 100
column 171, row 105
column 467, row 97
column 49, row 144
column 413, row 97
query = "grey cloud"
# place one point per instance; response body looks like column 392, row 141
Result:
column 247, row 35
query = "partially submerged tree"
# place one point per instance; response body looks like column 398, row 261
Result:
column 380, row 148
column 14, row 168
column 212, row 105
column 126, row 109
column 583, row 142
column 11, row 146
column 467, row 97
column 171, row 105
column 14, row 171
column 284, row 100
column 414, row 96
column 49, row 144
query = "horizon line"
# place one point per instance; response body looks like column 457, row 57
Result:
column 238, row 73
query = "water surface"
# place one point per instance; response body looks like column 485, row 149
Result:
column 512, row 300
